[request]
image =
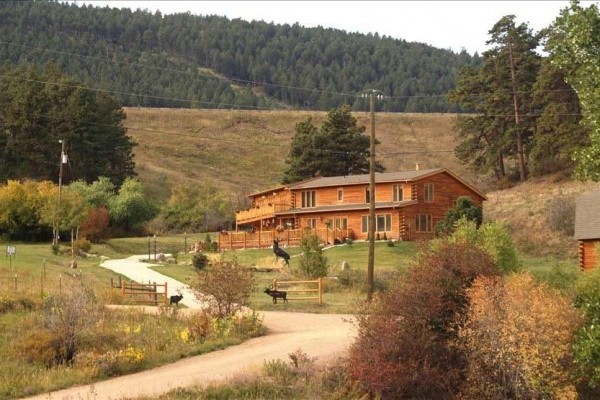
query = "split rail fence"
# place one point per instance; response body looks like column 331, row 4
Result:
column 297, row 288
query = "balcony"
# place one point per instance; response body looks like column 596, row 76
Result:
column 256, row 214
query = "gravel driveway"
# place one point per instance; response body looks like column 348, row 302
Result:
column 323, row 336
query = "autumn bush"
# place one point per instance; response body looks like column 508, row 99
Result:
column 226, row 285
column 313, row 263
column 517, row 336
column 95, row 226
column 404, row 346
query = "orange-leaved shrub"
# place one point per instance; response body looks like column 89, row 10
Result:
column 404, row 346
column 517, row 336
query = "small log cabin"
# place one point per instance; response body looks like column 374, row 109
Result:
column 407, row 206
column 587, row 229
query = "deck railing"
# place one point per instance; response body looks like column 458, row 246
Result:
column 253, row 214
column 290, row 237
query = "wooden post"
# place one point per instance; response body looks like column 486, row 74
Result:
column 320, row 290
column 60, row 283
column 245, row 240
column 274, row 284
column 155, row 296
column 231, row 241
column 259, row 238
column 122, row 287
column 165, row 293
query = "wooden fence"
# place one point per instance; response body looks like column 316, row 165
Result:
column 318, row 290
column 143, row 293
column 291, row 237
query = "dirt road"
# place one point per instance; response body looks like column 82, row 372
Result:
column 319, row 335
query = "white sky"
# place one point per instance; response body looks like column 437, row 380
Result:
column 444, row 24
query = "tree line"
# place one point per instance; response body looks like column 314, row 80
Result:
column 157, row 60
column 533, row 115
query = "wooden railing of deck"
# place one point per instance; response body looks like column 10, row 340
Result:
column 291, row 237
column 253, row 214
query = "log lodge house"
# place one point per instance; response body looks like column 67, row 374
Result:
column 407, row 206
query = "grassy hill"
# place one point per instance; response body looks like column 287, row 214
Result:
column 245, row 151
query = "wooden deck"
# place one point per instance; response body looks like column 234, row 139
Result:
column 263, row 240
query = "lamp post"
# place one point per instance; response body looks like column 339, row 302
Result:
column 372, row 94
column 63, row 160
column 155, row 247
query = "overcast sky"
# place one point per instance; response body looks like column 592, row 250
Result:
column 445, row 24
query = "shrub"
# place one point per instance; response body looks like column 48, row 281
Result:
column 55, row 249
column 209, row 245
column 587, row 342
column 390, row 243
column 199, row 261
column 313, row 264
column 404, row 347
column 349, row 241
column 517, row 336
column 228, row 284
column 95, row 227
column 560, row 214
column 82, row 244
column 492, row 237
column 464, row 208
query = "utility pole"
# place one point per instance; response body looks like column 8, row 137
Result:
column 520, row 151
column 372, row 93
column 63, row 160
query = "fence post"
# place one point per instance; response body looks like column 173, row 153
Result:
column 320, row 290
column 122, row 287
column 42, row 284
column 259, row 238
column 245, row 240
column 155, row 295
column 274, row 284
column 60, row 283
column 16, row 283
column 165, row 296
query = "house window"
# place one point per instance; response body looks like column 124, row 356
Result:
column 428, row 188
column 365, row 224
column 309, row 199
column 367, row 195
column 340, row 194
column 311, row 223
column 383, row 223
column 340, row 223
column 398, row 193
column 423, row 223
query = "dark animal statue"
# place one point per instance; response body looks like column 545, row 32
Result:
column 276, row 294
column 175, row 299
column 280, row 253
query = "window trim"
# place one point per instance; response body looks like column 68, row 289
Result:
column 309, row 199
column 340, row 194
column 428, row 192
column 387, row 220
column 396, row 190
column 428, row 223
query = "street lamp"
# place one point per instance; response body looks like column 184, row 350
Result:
column 372, row 94
column 155, row 247
column 63, row 160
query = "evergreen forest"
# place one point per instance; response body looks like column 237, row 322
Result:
column 183, row 60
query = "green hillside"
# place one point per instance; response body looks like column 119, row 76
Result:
column 187, row 61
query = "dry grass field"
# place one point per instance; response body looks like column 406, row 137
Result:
column 245, row 151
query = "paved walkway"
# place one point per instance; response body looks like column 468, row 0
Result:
column 139, row 271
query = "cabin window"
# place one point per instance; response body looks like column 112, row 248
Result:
column 340, row 223
column 423, row 223
column 340, row 194
column 311, row 223
column 428, row 188
column 309, row 199
column 398, row 193
column 383, row 223
column 367, row 195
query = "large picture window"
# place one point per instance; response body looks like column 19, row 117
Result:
column 309, row 199
column 423, row 223
column 383, row 223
